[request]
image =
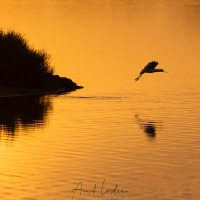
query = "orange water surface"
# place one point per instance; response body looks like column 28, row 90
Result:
column 116, row 138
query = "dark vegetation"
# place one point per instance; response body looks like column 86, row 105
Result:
column 24, row 66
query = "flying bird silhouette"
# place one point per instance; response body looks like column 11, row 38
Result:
column 149, row 68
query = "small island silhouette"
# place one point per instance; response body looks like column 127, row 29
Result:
column 27, row 71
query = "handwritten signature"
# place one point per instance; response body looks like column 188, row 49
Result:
column 102, row 191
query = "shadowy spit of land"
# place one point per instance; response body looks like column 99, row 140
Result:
column 25, row 70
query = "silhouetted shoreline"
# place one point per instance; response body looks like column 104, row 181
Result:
column 64, row 85
column 25, row 70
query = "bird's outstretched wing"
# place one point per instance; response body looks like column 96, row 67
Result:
column 151, row 65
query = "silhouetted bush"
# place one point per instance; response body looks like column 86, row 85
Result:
column 20, row 64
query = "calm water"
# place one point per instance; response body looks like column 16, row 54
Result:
column 116, row 138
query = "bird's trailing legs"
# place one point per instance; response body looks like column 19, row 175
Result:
column 136, row 79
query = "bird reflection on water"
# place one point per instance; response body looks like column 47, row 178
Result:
column 148, row 127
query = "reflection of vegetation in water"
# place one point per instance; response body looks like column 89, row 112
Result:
column 23, row 112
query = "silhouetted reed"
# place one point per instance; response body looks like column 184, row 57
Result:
column 20, row 64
